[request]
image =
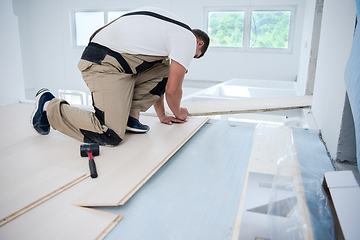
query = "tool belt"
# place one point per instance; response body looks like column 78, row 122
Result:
column 96, row 53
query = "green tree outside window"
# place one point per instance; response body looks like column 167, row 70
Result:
column 270, row 29
column 226, row 29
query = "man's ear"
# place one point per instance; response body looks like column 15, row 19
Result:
column 200, row 43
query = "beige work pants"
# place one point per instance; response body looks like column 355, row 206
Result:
column 116, row 96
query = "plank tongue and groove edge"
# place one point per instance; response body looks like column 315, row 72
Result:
column 265, row 152
column 116, row 188
column 70, row 222
column 246, row 105
column 57, row 228
column 37, row 188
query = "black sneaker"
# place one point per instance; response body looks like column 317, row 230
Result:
column 134, row 126
column 39, row 119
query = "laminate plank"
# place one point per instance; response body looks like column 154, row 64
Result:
column 16, row 198
column 161, row 163
column 116, row 188
column 15, row 124
column 246, row 105
column 31, row 169
column 56, row 218
column 92, row 222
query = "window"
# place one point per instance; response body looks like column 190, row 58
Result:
column 114, row 15
column 251, row 29
column 75, row 97
column 85, row 23
column 226, row 29
column 270, row 29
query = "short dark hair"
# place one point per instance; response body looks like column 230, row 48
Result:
column 201, row 35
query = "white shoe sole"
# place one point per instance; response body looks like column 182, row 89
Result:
column 136, row 130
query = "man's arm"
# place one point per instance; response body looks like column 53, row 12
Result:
column 173, row 90
column 173, row 93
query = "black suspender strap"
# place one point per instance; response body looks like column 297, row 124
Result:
column 152, row 14
column 146, row 13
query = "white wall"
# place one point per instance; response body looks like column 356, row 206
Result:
column 329, row 91
column 306, row 45
column 49, row 60
column 11, row 74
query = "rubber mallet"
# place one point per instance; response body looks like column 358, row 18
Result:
column 90, row 150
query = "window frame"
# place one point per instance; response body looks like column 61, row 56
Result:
column 247, row 27
column 73, row 22
column 226, row 9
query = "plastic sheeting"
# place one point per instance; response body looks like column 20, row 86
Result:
column 313, row 165
column 352, row 82
column 284, row 216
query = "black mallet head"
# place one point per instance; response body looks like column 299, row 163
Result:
column 91, row 147
column 90, row 150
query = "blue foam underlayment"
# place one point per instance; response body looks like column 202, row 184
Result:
column 195, row 195
column 352, row 82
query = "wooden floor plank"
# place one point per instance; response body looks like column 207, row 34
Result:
column 76, row 217
column 246, row 105
column 34, row 169
column 116, row 188
column 58, row 219
column 24, row 194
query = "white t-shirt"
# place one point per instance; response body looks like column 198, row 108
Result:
column 156, row 32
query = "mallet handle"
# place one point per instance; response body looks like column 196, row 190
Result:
column 92, row 165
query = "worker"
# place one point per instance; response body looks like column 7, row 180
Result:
column 128, row 66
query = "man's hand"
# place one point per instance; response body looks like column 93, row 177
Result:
column 160, row 112
column 183, row 114
column 170, row 119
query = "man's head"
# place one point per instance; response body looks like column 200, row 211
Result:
column 202, row 42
